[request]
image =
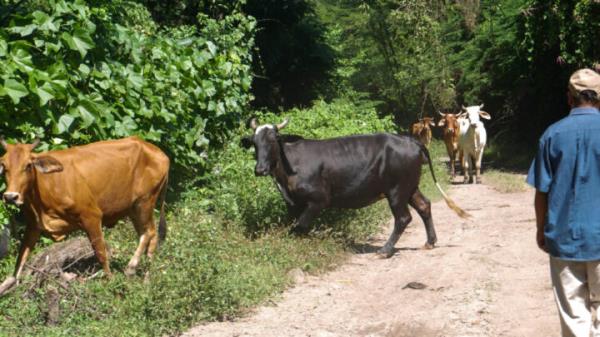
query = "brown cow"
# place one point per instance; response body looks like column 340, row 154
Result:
column 451, row 136
column 422, row 130
column 86, row 187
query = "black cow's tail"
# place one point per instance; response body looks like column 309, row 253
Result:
column 459, row 211
column 162, row 223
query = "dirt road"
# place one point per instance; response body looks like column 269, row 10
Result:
column 485, row 278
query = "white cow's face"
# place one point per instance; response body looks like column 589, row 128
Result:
column 473, row 114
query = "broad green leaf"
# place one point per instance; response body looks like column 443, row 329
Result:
column 87, row 117
column 15, row 90
column 211, row 47
column 52, row 48
column 79, row 41
column 64, row 122
column 23, row 30
column 3, row 47
column 135, row 80
column 45, row 93
column 44, row 22
column 84, row 70
column 22, row 58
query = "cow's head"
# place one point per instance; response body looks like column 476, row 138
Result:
column 472, row 114
column 427, row 122
column 266, row 145
column 449, row 122
column 20, row 165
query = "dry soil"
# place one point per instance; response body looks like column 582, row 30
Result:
column 486, row 277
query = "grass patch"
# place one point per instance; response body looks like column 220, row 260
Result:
column 203, row 271
column 437, row 150
column 506, row 182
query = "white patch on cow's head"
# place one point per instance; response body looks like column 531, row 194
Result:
column 262, row 127
column 472, row 114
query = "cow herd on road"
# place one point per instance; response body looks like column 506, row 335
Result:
column 464, row 136
column 93, row 186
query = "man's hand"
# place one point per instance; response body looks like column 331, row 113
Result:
column 541, row 209
column 541, row 241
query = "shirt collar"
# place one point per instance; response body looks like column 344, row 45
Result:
column 584, row 111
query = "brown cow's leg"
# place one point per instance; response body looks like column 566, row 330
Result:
column 32, row 235
column 143, row 220
column 92, row 224
column 423, row 206
column 452, row 155
column 398, row 203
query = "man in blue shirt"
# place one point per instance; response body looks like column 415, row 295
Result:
column 566, row 175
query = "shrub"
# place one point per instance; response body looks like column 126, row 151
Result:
column 72, row 73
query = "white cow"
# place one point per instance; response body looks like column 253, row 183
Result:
column 472, row 140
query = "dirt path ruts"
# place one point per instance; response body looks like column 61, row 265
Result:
column 485, row 278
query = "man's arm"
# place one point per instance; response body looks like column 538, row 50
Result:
column 541, row 209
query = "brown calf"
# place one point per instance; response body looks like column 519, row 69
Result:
column 451, row 136
column 422, row 130
column 86, row 187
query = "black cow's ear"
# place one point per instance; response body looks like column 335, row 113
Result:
column 47, row 164
column 247, row 142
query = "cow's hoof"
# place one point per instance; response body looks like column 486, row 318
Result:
column 129, row 272
column 466, row 181
column 7, row 285
column 385, row 253
column 300, row 231
column 428, row 246
column 478, row 181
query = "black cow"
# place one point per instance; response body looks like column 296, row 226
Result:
column 346, row 172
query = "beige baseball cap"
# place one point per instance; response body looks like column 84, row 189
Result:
column 584, row 79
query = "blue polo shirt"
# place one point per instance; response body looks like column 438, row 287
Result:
column 567, row 167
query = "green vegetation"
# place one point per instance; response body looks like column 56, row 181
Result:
column 73, row 73
column 505, row 182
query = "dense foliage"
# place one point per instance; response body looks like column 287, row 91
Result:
column 293, row 61
column 74, row 73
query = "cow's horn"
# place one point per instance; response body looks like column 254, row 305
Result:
column 35, row 143
column 282, row 124
column 3, row 142
column 481, row 106
column 253, row 124
column 441, row 114
column 463, row 107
